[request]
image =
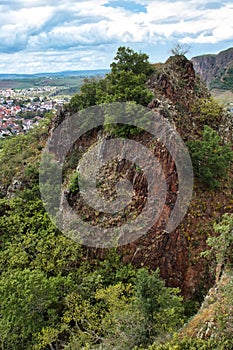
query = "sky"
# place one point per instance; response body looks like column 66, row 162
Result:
column 50, row 36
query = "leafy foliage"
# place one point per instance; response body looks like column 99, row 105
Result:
column 211, row 159
column 222, row 245
column 126, row 60
column 160, row 306
column 126, row 82
column 122, row 130
column 29, row 302
column 207, row 111
column 52, row 295
column 74, row 183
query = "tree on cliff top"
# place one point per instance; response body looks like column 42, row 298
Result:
column 180, row 50
column 128, row 60
column 126, row 82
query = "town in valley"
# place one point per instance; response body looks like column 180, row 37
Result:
column 20, row 110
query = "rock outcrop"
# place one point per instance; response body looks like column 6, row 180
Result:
column 212, row 69
column 214, row 318
column 176, row 88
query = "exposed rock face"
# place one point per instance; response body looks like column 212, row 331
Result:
column 206, row 67
column 176, row 88
column 177, row 81
column 214, row 319
column 177, row 254
column 157, row 248
column 211, row 67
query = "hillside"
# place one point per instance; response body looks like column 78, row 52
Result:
column 76, row 73
column 58, row 293
column 69, row 81
column 216, row 70
column 180, row 96
column 211, row 327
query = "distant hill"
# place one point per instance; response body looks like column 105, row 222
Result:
column 216, row 70
column 78, row 73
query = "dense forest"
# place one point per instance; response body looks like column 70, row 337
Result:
column 58, row 294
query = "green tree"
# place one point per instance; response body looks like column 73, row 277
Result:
column 127, row 60
column 121, row 323
column 180, row 50
column 28, row 302
column 161, row 307
column 210, row 157
column 87, row 96
column 30, row 240
column 126, row 82
column 222, row 244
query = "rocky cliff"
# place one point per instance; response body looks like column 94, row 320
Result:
column 176, row 89
column 215, row 69
column 88, row 286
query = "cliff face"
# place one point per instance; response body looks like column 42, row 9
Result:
column 205, row 67
column 177, row 88
column 214, row 68
column 177, row 254
column 177, row 81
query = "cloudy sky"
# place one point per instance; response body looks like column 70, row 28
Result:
column 55, row 35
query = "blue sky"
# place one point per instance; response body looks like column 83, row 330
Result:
column 47, row 36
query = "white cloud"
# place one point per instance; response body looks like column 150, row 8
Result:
column 215, row 26
column 79, row 29
column 53, row 61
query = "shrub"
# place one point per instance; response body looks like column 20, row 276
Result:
column 211, row 159
column 195, row 344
